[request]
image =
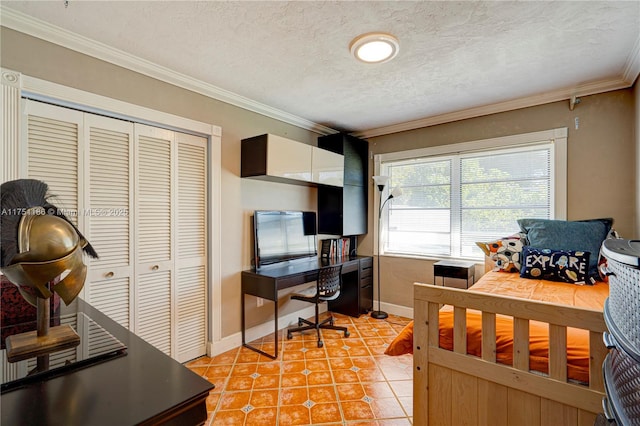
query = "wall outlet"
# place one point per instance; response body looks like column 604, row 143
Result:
column 259, row 301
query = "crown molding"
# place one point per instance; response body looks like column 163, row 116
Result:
column 37, row 28
column 632, row 67
column 529, row 101
column 40, row 29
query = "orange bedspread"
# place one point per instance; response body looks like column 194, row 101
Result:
column 510, row 284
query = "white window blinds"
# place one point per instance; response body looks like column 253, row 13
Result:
column 451, row 201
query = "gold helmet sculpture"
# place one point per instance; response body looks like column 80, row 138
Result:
column 39, row 244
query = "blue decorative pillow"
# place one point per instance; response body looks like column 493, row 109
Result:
column 586, row 235
column 555, row 265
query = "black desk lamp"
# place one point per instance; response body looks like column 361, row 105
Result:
column 381, row 182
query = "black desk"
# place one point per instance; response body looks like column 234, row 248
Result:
column 143, row 386
column 267, row 281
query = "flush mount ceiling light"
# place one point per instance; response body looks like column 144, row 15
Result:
column 374, row 48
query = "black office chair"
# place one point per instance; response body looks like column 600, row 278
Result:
column 327, row 288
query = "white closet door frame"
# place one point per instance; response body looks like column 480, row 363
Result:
column 39, row 89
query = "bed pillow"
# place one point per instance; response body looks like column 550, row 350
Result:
column 505, row 252
column 584, row 235
column 555, row 265
column 403, row 343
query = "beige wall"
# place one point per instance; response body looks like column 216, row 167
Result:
column 602, row 164
column 602, row 157
column 37, row 58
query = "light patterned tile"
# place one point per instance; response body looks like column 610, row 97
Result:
column 234, row 400
column 359, row 351
column 315, row 354
column 273, row 367
column 345, row 376
column 364, row 362
column 293, row 366
column 265, row 398
column 348, row 381
column 270, row 381
column 343, row 363
column 350, row 392
column 293, row 380
column 387, row 408
column 218, row 370
column 243, row 369
column 293, row 396
column 212, row 401
column 239, row 383
column 356, row 410
column 199, row 370
column 294, row 415
column 402, row 387
column 229, row 417
column 378, row 390
column 320, row 364
column 337, row 352
column 319, row 378
column 325, row 413
column 199, row 362
column 370, row 375
column 263, row 416
column 322, row 394
column 407, row 404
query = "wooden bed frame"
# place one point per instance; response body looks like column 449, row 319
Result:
column 453, row 388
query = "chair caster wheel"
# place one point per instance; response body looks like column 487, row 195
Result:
column 320, row 344
column 299, row 323
column 289, row 336
column 331, row 321
column 347, row 334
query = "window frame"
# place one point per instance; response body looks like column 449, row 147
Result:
column 557, row 137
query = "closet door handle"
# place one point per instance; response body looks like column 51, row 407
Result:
column 109, row 275
column 155, row 267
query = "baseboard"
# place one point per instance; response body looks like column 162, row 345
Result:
column 261, row 330
column 403, row 311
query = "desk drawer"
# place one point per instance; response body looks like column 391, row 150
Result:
column 366, row 270
column 366, row 263
column 350, row 266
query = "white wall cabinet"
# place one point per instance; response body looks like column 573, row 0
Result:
column 327, row 168
column 139, row 196
column 288, row 159
column 278, row 159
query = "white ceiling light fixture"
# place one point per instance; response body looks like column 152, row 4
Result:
column 374, row 48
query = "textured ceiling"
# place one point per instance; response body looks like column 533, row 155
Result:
column 294, row 56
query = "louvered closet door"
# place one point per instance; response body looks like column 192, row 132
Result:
column 108, row 216
column 53, row 154
column 153, row 235
column 191, row 248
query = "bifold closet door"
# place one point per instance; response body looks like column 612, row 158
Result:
column 53, row 154
column 108, row 216
column 52, row 135
column 139, row 194
column 153, row 233
column 191, row 250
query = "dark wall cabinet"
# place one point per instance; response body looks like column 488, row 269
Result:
column 343, row 211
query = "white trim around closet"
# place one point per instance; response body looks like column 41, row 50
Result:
column 37, row 89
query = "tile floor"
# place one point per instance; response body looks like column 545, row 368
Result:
column 349, row 381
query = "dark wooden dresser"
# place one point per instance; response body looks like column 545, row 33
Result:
column 136, row 385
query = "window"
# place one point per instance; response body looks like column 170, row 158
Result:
column 456, row 195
